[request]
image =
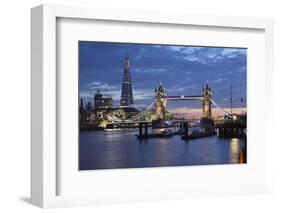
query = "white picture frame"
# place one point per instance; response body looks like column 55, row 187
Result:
column 44, row 149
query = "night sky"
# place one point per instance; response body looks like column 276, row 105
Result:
column 180, row 69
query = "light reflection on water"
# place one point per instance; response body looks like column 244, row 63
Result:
column 121, row 149
column 234, row 149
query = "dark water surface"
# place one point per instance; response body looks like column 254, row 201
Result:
column 121, row 149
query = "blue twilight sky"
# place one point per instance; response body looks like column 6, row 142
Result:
column 180, row 69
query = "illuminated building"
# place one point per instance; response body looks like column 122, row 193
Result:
column 160, row 102
column 207, row 95
column 101, row 102
column 127, row 92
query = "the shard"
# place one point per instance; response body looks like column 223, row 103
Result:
column 127, row 99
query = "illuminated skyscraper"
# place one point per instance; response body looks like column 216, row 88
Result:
column 127, row 99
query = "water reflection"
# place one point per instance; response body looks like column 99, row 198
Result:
column 234, row 150
column 121, row 149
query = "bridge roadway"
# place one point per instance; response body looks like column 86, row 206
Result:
column 129, row 122
column 136, row 124
column 184, row 97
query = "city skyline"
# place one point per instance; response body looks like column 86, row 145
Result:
column 181, row 69
column 157, row 105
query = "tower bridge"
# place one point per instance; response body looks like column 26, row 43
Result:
column 158, row 106
column 161, row 99
column 160, row 102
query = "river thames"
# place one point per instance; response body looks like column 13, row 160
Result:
column 121, row 149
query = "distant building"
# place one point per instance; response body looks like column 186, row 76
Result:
column 98, row 100
column 89, row 107
column 240, row 118
column 84, row 115
column 107, row 103
column 101, row 102
column 127, row 99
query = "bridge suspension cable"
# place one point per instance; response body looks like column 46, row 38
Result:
column 219, row 107
column 134, row 118
column 113, row 118
column 146, row 110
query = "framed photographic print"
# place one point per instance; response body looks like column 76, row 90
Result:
column 132, row 105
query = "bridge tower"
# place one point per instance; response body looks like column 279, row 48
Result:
column 207, row 95
column 160, row 102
